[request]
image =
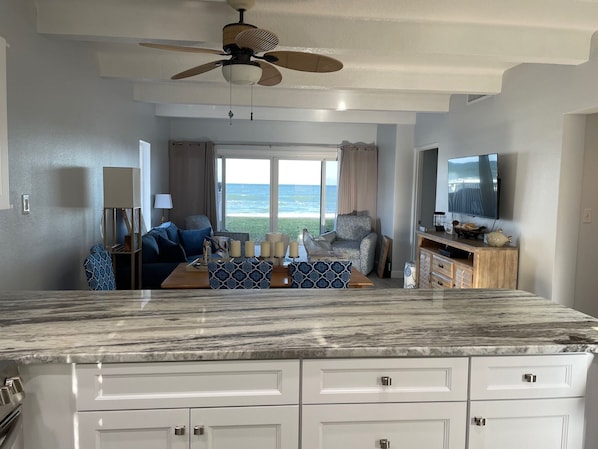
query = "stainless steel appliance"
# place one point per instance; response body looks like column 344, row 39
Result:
column 11, row 399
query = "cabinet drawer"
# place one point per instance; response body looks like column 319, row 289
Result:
column 363, row 380
column 442, row 265
column 186, row 384
column 438, row 281
column 429, row 425
column 543, row 376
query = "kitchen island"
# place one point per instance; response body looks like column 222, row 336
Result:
column 101, row 367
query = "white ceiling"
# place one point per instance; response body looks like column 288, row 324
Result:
column 400, row 56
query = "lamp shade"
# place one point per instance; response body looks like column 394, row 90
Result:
column 242, row 73
column 122, row 187
column 163, row 201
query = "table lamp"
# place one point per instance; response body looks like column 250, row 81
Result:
column 163, row 201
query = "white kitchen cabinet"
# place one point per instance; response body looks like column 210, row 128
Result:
column 527, row 424
column 245, row 427
column 428, row 425
column 208, row 428
column 528, row 402
column 384, row 403
column 385, row 380
column 133, row 429
column 197, row 405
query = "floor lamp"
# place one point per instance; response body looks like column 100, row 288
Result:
column 163, row 201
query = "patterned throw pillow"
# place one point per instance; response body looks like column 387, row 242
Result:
column 239, row 273
column 320, row 274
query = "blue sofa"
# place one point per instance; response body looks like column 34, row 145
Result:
column 162, row 249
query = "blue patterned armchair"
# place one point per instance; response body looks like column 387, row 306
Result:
column 98, row 269
column 352, row 240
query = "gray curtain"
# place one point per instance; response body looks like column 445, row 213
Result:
column 192, row 180
column 358, row 179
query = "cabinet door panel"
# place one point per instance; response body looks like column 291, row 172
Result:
column 527, row 424
column 245, row 427
column 413, row 425
column 133, row 429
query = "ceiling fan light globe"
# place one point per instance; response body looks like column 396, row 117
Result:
column 242, row 73
column 241, row 4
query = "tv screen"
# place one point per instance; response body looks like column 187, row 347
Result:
column 473, row 185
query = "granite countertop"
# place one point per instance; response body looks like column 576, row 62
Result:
column 160, row 325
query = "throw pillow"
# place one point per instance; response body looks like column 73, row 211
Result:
column 192, row 239
column 172, row 232
column 150, row 253
column 314, row 246
column 170, row 251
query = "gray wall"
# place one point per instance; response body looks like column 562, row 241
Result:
column 529, row 125
column 64, row 125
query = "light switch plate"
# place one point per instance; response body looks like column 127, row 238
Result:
column 25, row 206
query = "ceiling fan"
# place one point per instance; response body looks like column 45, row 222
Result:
column 242, row 42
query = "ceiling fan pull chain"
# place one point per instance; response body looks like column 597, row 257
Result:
column 252, row 102
column 230, row 103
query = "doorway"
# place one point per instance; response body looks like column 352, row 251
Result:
column 425, row 194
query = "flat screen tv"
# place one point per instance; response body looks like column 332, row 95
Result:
column 474, row 185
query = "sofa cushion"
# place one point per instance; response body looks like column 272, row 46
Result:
column 192, row 239
column 170, row 251
column 158, row 232
column 150, row 253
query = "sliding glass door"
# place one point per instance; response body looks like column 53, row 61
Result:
column 281, row 194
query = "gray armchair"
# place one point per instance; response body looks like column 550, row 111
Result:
column 353, row 240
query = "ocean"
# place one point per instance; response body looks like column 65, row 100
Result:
column 294, row 200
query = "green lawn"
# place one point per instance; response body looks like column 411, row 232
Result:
column 293, row 227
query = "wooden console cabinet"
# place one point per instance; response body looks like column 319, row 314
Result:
column 473, row 263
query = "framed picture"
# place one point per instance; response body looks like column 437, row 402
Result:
column 384, row 252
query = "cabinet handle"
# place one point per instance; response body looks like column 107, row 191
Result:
column 386, row 381
column 440, row 265
column 384, row 443
column 479, row 421
column 198, row 430
column 179, row 430
column 529, row 377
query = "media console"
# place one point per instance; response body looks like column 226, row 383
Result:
column 448, row 261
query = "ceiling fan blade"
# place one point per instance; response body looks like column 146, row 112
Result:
column 182, row 48
column 305, row 62
column 197, row 70
column 257, row 39
column 271, row 76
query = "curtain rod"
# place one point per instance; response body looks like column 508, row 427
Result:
column 279, row 144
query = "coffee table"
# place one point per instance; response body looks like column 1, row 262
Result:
column 181, row 278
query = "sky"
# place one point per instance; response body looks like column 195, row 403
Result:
column 257, row 171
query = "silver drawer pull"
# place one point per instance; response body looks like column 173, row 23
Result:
column 384, row 443
column 198, row 430
column 479, row 421
column 386, row 381
column 179, row 430
column 529, row 377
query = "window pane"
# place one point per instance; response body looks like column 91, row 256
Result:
column 247, row 196
column 299, row 194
